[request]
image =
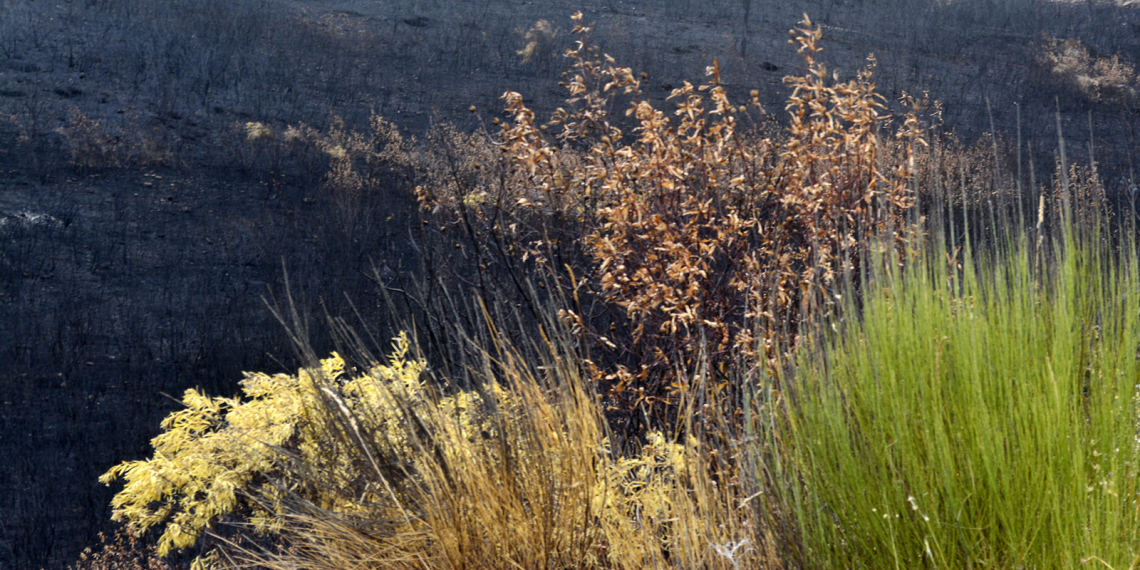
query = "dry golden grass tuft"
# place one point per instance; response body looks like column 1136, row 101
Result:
column 539, row 40
column 372, row 466
column 535, row 486
column 348, row 166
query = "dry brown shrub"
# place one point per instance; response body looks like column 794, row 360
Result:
column 93, row 144
column 124, row 552
column 149, row 147
column 349, row 164
column 89, row 143
column 712, row 239
column 1079, row 188
column 538, row 40
column 1100, row 78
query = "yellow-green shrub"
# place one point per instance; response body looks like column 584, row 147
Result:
column 537, row 486
column 340, row 467
column 223, row 456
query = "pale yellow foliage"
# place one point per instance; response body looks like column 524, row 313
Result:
column 538, row 40
column 256, row 131
column 476, row 462
column 216, row 451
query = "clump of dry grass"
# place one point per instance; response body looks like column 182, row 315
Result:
column 1098, row 77
column 538, row 40
column 90, row 144
column 95, row 144
column 349, row 164
column 535, row 484
column 344, row 466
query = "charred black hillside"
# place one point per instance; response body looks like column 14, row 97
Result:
column 161, row 182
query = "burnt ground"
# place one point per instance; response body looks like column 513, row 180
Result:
column 118, row 288
column 136, row 248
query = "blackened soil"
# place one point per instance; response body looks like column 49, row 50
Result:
column 121, row 284
column 118, row 287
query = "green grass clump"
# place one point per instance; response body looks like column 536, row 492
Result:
column 982, row 415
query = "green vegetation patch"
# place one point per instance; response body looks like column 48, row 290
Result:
column 977, row 415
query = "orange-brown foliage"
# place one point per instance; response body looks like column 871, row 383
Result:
column 125, row 552
column 713, row 239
